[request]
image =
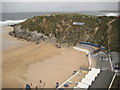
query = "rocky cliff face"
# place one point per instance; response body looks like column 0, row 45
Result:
column 33, row 36
column 69, row 29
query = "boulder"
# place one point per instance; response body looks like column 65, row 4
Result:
column 27, row 35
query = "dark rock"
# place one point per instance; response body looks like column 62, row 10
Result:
column 37, row 42
column 11, row 33
column 58, row 46
column 27, row 35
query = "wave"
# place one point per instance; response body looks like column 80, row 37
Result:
column 10, row 22
column 110, row 14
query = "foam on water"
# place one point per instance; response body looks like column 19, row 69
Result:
column 10, row 22
column 110, row 14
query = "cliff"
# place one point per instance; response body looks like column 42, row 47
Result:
column 70, row 29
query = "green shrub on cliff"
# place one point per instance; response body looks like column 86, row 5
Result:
column 95, row 29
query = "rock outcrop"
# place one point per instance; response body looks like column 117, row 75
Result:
column 33, row 36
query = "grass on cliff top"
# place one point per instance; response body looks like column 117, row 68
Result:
column 34, row 23
column 115, row 37
column 59, row 24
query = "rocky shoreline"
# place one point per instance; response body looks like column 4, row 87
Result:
column 27, row 35
column 33, row 36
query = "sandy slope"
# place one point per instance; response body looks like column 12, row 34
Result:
column 29, row 62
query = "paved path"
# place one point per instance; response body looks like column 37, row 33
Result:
column 102, row 64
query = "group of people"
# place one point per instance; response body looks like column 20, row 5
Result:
column 28, row 87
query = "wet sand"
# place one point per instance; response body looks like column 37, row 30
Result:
column 28, row 62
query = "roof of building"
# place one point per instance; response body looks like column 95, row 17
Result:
column 92, row 74
column 103, row 80
column 82, row 85
column 86, row 69
column 86, row 81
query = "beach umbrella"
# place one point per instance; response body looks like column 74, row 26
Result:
column 66, row 85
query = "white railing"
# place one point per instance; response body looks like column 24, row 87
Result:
column 69, row 79
column 109, row 56
column 87, row 52
column 112, row 81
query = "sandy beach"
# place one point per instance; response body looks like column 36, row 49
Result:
column 28, row 63
column 9, row 42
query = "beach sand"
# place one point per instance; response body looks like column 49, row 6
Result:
column 9, row 42
column 28, row 63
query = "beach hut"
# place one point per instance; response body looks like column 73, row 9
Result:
column 86, row 81
column 92, row 74
column 96, row 70
column 84, row 70
column 90, row 77
column 82, row 85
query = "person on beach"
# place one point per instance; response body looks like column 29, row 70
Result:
column 36, row 88
column 28, row 87
column 74, row 72
column 40, row 81
column 57, row 84
column 31, row 84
